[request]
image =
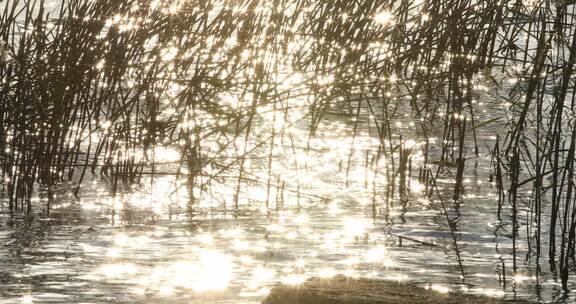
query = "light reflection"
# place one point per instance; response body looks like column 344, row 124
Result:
column 293, row 279
column 375, row 255
column 384, row 17
column 356, row 226
column 166, row 290
column 262, row 275
column 440, row 288
column 113, row 252
column 213, row 272
column 521, row 278
column 205, row 239
column 117, row 270
column 320, row 166
column 227, row 252
column 495, row 293
column 327, row 273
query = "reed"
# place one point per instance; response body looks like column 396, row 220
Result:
column 96, row 87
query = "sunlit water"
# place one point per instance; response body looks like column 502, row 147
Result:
column 148, row 245
column 322, row 212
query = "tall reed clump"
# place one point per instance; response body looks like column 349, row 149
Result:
column 95, row 87
column 537, row 153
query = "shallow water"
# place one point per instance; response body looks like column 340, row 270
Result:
column 322, row 212
column 325, row 213
column 150, row 246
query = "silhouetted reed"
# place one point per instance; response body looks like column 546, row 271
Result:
column 96, row 87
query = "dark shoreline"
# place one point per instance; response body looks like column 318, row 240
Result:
column 343, row 290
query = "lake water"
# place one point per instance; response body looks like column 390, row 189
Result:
column 151, row 246
column 302, row 206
